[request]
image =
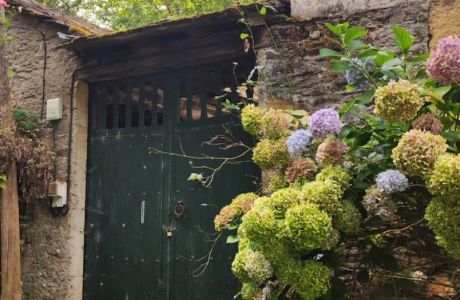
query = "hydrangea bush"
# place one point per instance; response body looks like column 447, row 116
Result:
column 362, row 177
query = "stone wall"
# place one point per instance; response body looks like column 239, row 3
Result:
column 310, row 85
column 444, row 20
column 43, row 71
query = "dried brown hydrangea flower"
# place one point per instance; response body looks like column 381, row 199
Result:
column 428, row 122
column 301, row 168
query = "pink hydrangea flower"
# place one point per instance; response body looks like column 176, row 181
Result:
column 444, row 64
column 3, row 4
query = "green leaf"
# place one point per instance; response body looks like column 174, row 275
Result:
column 368, row 52
column 403, row 39
column 355, row 45
column 339, row 67
column 232, row 239
column 10, row 73
column 391, row 64
column 299, row 113
column 453, row 136
column 2, row 181
column 436, row 95
column 263, row 11
column 244, row 36
column 346, row 108
column 325, row 52
column 365, row 98
column 333, row 28
column 421, row 58
column 354, row 33
column 383, row 57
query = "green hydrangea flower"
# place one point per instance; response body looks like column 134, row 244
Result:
column 268, row 154
column 245, row 201
column 326, row 194
column 251, row 119
column 260, row 224
column 310, row 228
column 444, row 219
column 348, row 220
column 284, row 260
column 258, row 267
column 398, row 101
column 230, row 214
column 275, row 124
column 275, row 182
column 417, row 151
column 314, row 280
column 337, row 174
column 238, row 265
column 227, row 217
column 282, row 200
column 249, row 291
column 445, row 179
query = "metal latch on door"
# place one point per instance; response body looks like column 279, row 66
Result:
column 179, row 212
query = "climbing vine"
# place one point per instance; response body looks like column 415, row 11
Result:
column 346, row 189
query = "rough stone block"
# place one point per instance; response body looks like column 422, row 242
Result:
column 307, row 9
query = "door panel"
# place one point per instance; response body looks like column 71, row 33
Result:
column 123, row 246
column 194, row 235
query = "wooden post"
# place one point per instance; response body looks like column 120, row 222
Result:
column 10, row 251
column 10, row 239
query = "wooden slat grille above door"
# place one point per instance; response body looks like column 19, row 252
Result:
column 139, row 102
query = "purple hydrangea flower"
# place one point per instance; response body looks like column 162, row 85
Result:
column 324, row 122
column 298, row 142
column 444, row 64
column 392, row 181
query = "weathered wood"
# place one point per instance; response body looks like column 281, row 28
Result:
column 10, row 259
column 171, row 60
column 10, row 239
column 75, row 24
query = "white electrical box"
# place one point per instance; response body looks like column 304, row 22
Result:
column 54, row 109
column 57, row 191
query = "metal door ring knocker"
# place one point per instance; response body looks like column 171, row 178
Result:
column 179, row 209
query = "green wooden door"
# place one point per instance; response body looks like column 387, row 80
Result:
column 148, row 229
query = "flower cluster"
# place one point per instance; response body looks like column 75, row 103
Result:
column 257, row 267
column 274, row 181
column 398, row 101
column 332, row 152
column 349, row 220
column 444, row 219
column 251, row 119
column 248, row 291
column 275, row 124
column 301, row 169
column 3, row 4
column 379, row 204
column 282, row 200
column 428, row 122
column 313, row 280
column 326, row 194
column 445, row 178
column 231, row 213
column 310, row 228
column 417, row 152
column 324, row 122
column 226, row 217
column 335, row 174
column 444, row 63
column 270, row 153
column 392, row 181
column 298, row 142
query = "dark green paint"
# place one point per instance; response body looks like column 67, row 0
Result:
column 128, row 259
